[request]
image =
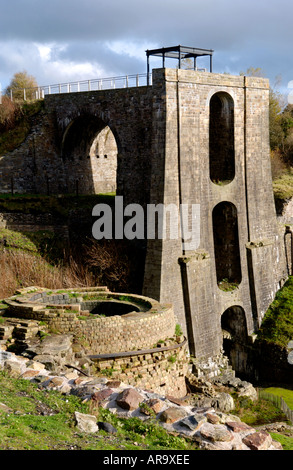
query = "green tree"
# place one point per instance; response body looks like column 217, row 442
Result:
column 22, row 81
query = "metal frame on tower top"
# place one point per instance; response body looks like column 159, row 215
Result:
column 179, row 53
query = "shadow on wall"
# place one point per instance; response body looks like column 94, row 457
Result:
column 89, row 152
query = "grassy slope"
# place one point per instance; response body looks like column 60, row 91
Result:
column 42, row 420
column 277, row 325
column 13, row 138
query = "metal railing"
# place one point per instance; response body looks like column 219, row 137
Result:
column 127, row 81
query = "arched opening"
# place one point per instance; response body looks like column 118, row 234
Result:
column 234, row 329
column 226, row 246
column 221, row 138
column 89, row 152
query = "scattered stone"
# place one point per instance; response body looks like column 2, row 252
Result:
column 5, row 408
column 35, row 365
column 238, row 427
column 248, row 391
column 218, row 432
column 82, row 380
column 14, row 368
column 225, row 402
column 172, row 414
column 210, row 427
column 258, row 440
column 86, row 423
column 193, row 422
column 154, row 405
column 102, row 395
column 30, row 373
column 176, row 401
column 47, row 360
column 113, row 384
column 129, row 399
column 107, row 427
column 212, row 418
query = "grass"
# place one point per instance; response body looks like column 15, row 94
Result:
column 256, row 413
column 12, row 138
column 284, row 393
column 17, row 240
column 277, row 325
column 44, row 420
column 287, row 442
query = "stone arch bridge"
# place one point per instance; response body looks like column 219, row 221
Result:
column 191, row 138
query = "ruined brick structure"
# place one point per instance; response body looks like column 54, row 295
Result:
column 190, row 138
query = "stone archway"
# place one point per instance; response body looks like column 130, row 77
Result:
column 234, row 329
column 89, row 153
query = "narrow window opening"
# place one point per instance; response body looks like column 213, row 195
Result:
column 221, row 139
column 226, row 246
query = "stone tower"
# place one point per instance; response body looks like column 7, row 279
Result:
column 211, row 150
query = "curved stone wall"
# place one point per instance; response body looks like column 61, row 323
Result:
column 69, row 311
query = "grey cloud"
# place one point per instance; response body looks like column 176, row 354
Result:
column 243, row 33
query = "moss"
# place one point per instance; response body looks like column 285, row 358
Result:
column 277, row 325
column 13, row 138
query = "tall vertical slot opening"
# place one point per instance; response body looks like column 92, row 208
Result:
column 221, row 139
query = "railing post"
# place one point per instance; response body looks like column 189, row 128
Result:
column 137, row 80
column 49, row 90
column 24, row 95
column 89, row 85
column 126, row 81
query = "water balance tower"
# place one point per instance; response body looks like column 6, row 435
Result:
column 211, row 149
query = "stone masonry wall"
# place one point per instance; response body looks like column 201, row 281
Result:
column 162, row 135
column 99, row 334
column 181, row 175
column 162, row 371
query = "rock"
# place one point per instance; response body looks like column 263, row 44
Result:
column 102, row 395
column 71, row 375
column 276, row 446
column 113, row 384
column 172, row 414
column 208, row 445
column 5, row 408
column 193, row 422
column 258, row 440
column 47, row 360
column 82, row 380
column 107, row 427
column 176, row 401
column 248, row 391
column 86, row 423
column 154, row 405
column 238, row 427
column 14, row 368
column 225, row 402
column 30, row 373
column 54, row 345
column 218, row 432
column 129, row 399
column 212, row 418
column 35, row 365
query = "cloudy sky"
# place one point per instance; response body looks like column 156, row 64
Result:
column 67, row 40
